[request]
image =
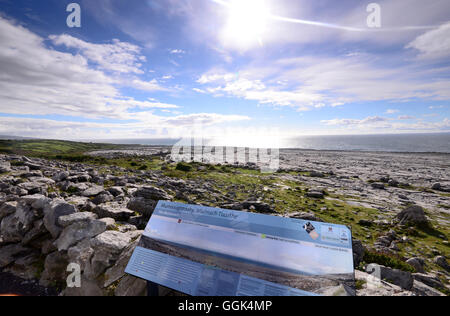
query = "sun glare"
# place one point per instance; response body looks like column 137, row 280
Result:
column 247, row 22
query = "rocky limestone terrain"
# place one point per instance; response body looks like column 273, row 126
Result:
column 53, row 213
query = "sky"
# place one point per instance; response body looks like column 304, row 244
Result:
column 247, row 69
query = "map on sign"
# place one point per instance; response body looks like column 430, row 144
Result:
column 205, row 251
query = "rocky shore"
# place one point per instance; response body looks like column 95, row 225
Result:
column 53, row 213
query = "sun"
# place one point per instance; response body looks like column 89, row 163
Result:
column 247, row 22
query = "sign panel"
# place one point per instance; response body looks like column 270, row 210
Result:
column 206, row 251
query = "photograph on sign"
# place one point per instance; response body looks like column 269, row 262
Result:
column 208, row 251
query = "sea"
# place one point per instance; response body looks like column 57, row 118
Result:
column 414, row 143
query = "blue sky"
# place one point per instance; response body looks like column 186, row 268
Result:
column 161, row 68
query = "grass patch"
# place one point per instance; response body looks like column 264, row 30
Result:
column 387, row 260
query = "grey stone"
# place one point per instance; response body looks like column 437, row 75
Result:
column 7, row 208
column 78, row 231
column 315, row 194
column 131, row 286
column 60, row 176
column 54, row 268
column 35, row 233
column 142, row 206
column 53, row 211
column 358, row 252
column 397, row 277
column 378, row 186
column 5, row 167
column 107, row 249
column 93, row 191
column 442, row 262
column 67, row 220
column 110, row 223
column 81, row 253
column 152, row 193
column 8, row 254
column 417, row 263
column 428, row 279
column 413, row 215
column 102, row 198
column 116, row 272
column 119, row 213
column 14, row 227
column 115, row 191
column 422, row 289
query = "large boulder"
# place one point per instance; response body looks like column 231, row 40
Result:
column 442, row 262
column 116, row 272
column 7, row 208
column 373, row 286
column 8, row 254
column 5, row 166
column 14, row 227
column 142, row 206
column 107, row 248
column 81, row 253
column 414, row 215
column 403, row 279
column 78, row 231
column 113, row 210
column 55, row 269
column 53, row 211
column 358, row 252
column 152, row 193
column 93, row 191
column 417, row 263
column 68, row 220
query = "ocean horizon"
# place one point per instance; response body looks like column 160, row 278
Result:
column 402, row 143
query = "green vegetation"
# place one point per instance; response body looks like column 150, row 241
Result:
column 181, row 166
column 388, row 261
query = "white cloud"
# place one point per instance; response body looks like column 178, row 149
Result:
column 433, row 44
column 117, row 56
column 392, row 111
column 305, row 83
column 367, row 121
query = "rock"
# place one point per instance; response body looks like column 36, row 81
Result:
column 358, row 252
column 373, row 286
column 89, row 287
column 114, row 211
column 35, row 233
column 54, row 269
column 93, row 191
column 131, row 286
column 316, row 174
column 33, row 187
column 78, row 231
column 5, row 167
column 107, row 248
column 393, row 183
column 315, row 194
column 115, row 191
column 413, row 215
column 60, row 176
column 305, row 216
column 428, row 279
column 110, row 223
column 142, row 206
column 395, row 276
column 8, row 254
column 422, row 289
column 53, row 211
column 442, row 262
column 7, row 208
column 152, row 193
column 437, row 187
column 67, row 220
column 364, row 222
column 14, row 227
column 81, row 253
column 417, row 263
column 378, row 186
column 25, row 267
column 116, row 272
column 102, row 198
